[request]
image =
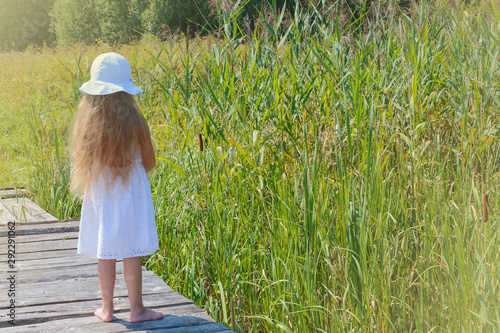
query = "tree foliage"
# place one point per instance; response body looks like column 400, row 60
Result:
column 23, row 22
column 121, row 21
column 117, row 24
column 180, row 15
column 76, row 21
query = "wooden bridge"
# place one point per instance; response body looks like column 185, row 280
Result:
column 50, row 288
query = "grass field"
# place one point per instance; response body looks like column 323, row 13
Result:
column 15, row 87
column 348, row 180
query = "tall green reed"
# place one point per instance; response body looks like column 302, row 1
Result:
column 347, row 234
column 341, row 179
column 49, row 165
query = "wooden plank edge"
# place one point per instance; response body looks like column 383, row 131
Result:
column 41, row 231
column 14, row 192
column 62, row 276
column 25, row 210
column 15, row 196
column 47, row 222
column 44, row 319
column 22, row 241
column 42, row 250
column 167, row 294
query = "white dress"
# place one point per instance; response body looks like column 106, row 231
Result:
column 119, row 223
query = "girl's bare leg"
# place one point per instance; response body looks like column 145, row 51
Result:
column 132, row 271
column 106, row 270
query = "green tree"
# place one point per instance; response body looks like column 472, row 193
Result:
column 192, row 15
column 154, row 15
column 76, row 21
column 176, row 14
column 117, row 23
column 136, row 10
column 24, row 22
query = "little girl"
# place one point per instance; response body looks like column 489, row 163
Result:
column 111, row 153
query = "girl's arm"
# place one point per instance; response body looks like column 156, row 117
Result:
column 148, row 153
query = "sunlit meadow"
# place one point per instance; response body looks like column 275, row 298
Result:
column 312, row 176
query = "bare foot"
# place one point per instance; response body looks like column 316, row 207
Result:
column 104, row 315
column 145, row 315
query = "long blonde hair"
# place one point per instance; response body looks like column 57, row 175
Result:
column 108, row 129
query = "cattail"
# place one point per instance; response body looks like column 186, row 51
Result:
column 485, row 207
column 200, row 140
column 187, row 40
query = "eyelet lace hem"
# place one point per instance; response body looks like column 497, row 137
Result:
column 117, row 255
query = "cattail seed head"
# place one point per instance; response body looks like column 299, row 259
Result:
column 200, row 140
column 485, row 207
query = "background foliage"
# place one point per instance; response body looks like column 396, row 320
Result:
column 350, row 170
column 24, row 22
column 345, row 170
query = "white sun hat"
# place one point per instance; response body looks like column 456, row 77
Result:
column 110, row 73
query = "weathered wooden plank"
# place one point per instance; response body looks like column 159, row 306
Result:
column 41, row 237
column 57, row 290
column 25, row 257
column 152, row 298
column 42, row 228
column 81, row 308
column 5, row 215
column 55, row 263
column 48, row 274
column 171, row 323
column 36, row 211
column 13, row 192
column 71, row 290
column 92, row 280
column 45, row 223
column 182, row 318
column 95, row 294
column 43, row 313
column 179, row 318
column 51, row 245
column 25, row 210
